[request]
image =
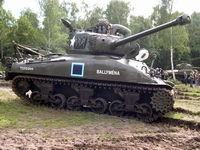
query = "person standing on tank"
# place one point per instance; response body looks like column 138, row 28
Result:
column 114, row 29
column 105, row 27
column 185, row 78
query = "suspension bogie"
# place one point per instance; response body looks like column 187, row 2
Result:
column 117, row 99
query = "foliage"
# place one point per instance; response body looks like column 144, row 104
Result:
column 1, row 3
column 32, row 17
column 177, row 37
column 7, row 24
column 140, row 24
column 2, row 68
column 25, row 32
column 70, row 10
column 52, row 24
column 93, row 15
column 176, row 82
column 118, row 12
column 29, row 29
column 194, row 38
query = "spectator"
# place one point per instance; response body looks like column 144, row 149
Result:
column 185, row 78
column 196, row 78
column 191, row 78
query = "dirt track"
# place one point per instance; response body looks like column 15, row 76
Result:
column 77, row 139
column 170, row 134
column 164, row 134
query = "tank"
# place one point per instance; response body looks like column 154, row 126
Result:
column 100, row 72
column 180, row 69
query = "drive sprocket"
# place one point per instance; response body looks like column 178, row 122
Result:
column 162, row 101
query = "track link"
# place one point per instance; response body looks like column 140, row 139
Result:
column 161, row 100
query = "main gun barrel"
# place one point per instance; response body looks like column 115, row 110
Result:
column 181, row 20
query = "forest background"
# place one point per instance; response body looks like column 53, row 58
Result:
column 49, row 32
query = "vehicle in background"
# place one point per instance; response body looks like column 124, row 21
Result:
column 180, row 69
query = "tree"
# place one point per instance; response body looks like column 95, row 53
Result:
column 118, row 12
column 31, row 16
column 28, row 31
column 194, row 38
column 7, row 23
column 87, row 17
column 139, row 24
column 52, row 29
column 94, row 14
column 1, row 3
column 71, row 11
column 25, row 32
column 163, row 41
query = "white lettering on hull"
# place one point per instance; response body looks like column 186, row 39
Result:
column 108, row 72
column 26, row 68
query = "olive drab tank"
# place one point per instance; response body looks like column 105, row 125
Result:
column 179, row 71
column 100, row 72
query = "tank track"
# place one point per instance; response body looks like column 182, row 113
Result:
column 160, row 102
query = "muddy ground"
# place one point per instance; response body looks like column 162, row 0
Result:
column 158, row 136
column 181, row 139
column 170, row 134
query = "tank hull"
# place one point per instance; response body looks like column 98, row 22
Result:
column 115, row 85
column 71, row 66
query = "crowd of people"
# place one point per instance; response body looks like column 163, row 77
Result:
column 192, row 78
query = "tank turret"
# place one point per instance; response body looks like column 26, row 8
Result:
column 82, row 41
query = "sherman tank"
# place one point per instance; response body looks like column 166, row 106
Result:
column 100, row 72
column 179, row 71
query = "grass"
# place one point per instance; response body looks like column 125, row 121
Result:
column 18, row 114
column 187, row 88
column 191, row 103
column 14, row 113
column 187, row 91
column 104, row 137
column 192, row 93
column 175, row 115
column 183, row 116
